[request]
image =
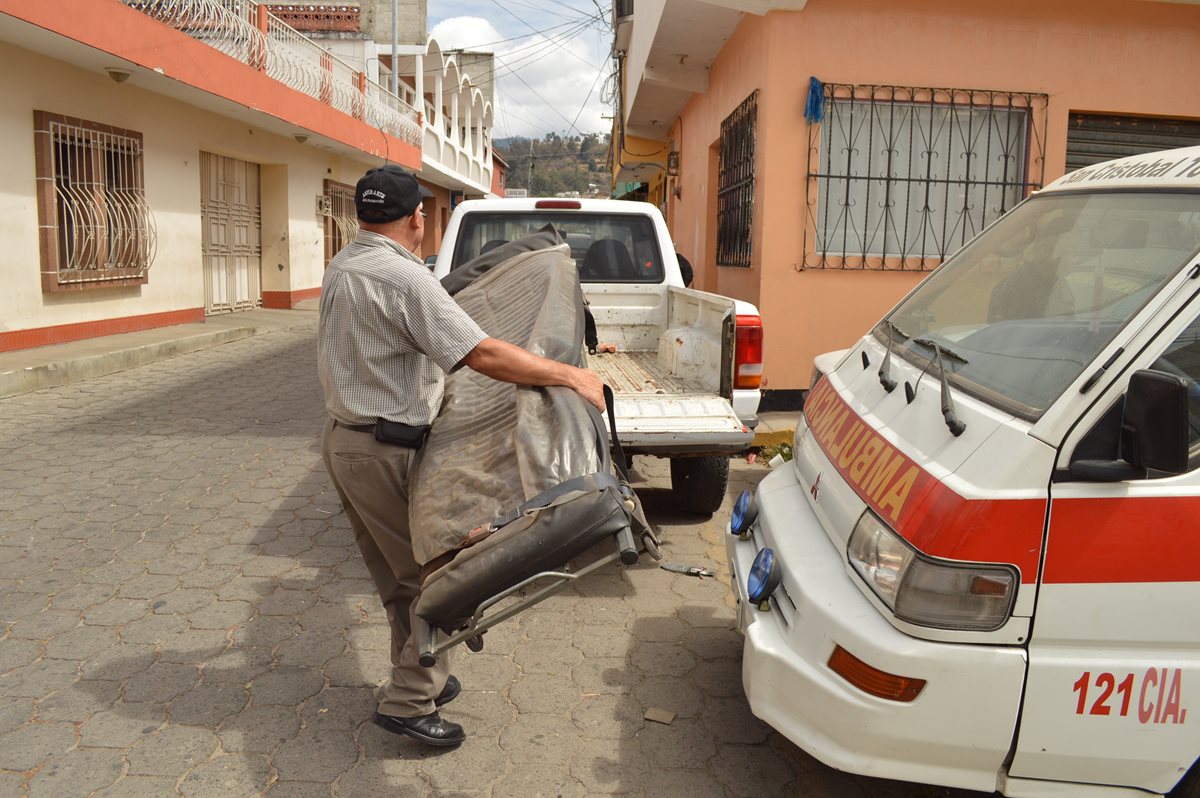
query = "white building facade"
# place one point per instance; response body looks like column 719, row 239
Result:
column 165, row 161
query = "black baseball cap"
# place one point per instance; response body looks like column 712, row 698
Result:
column 387, row 193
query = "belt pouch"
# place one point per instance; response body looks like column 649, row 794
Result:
column 400, row 434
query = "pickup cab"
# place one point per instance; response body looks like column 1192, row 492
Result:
column 684, row 365
column 981, row 568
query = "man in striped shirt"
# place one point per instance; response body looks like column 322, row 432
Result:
column 388, row 334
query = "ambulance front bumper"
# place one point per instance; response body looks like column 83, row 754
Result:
column 958, row 730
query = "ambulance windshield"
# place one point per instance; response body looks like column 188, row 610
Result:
column 1031, row 301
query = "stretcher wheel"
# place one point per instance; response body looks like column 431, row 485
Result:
column 475, row 643
column 651, row 547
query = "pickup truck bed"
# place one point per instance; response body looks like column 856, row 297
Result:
column 656, row 409
column 685, row 373
column 638, row 373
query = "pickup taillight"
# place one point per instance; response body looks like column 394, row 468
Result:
column 747, row 361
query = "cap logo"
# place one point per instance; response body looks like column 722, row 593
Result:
column 373, row 196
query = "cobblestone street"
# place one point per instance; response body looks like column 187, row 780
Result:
column 184, row 612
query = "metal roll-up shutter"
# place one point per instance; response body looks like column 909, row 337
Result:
column 1092, row 138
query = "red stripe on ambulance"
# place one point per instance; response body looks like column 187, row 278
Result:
column 1134, row 539
column 930, row 516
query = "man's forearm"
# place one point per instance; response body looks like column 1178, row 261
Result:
column 508, row 363
column 503, row 361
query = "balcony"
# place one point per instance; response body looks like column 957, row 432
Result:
column 457, row 120
column 248, row 32
column 237, row 59
column 670, row 49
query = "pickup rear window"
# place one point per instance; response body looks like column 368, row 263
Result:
column 607, row 248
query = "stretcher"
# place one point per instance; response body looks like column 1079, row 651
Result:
column 515, row 482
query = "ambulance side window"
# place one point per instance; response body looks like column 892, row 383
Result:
column 1183, row 358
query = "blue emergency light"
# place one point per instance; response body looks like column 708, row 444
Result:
column 744, row 513
column 765, row 576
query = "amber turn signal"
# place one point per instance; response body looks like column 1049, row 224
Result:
column 872, row 680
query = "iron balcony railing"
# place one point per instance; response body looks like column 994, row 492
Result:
column 247, row 31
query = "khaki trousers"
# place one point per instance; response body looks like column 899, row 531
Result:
column 372, row 480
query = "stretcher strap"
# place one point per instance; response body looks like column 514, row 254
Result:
column 618, row 452
column 600, row 480
column 588, row 482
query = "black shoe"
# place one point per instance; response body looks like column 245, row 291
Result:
column 449, row 692
column 430, row 729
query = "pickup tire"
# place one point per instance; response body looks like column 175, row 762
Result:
column 699, row 483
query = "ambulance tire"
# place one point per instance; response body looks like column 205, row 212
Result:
column 1189, row 786
column 699, row 483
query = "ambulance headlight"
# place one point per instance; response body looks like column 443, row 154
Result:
column 927, row 591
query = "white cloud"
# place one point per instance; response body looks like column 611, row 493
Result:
column 542, row 79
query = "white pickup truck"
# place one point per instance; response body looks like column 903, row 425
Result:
column 687, row 364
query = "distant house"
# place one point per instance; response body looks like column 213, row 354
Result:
column 166, row 161
column 819, row 157
column 499, row 175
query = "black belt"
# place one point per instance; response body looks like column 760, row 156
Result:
column 355, row 427
column 395, row 433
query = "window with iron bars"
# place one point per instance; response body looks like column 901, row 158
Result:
column 95, row 227
column 735, row 185
column 900, row 177
column 341, row 219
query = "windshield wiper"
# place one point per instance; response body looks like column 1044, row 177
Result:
column 953, row 422
column 938, row 347
column 885, row 368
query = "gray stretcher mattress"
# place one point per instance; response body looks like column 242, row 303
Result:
column 512, row 480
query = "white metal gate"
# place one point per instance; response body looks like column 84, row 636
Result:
column 232, row 240
column 341, row 220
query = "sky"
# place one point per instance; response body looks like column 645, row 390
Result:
column 552, row 60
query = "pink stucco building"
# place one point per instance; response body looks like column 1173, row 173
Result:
column 823, row 201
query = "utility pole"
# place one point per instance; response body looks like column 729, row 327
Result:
column 530, row 167
column 395, row 47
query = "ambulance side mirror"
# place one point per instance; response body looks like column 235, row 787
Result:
column 1154, row 423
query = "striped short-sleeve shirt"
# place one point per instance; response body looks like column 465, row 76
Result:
column 388, row 334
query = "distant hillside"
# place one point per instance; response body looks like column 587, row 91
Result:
column 556, row 164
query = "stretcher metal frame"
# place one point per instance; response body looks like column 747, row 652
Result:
column 430, row 648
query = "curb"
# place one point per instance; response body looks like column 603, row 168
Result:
column 75, row 369
column 773, row 437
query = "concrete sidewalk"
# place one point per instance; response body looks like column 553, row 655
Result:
column 775, row 428
column 62, row 364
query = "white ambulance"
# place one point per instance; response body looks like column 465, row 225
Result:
column 982, row 567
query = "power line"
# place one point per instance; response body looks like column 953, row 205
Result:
column 526, row 24
column 564, row 36
column 542, row 9
column 543, row 99
column 556, row 44
column 539, row 50
column 515, row 38
column 579, row 113
column 508, row 102
column 571, row 7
